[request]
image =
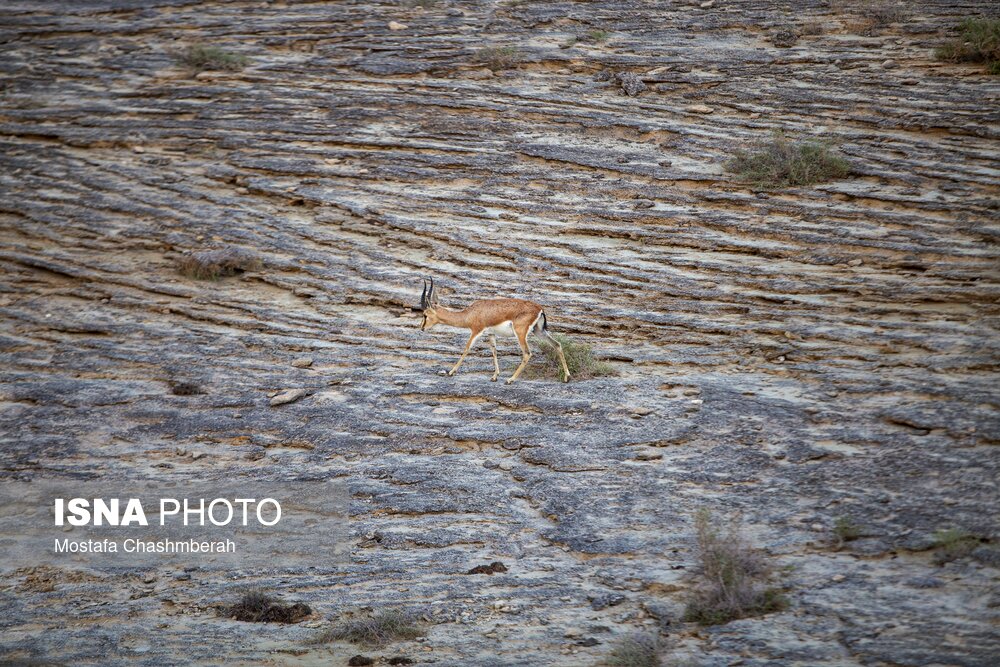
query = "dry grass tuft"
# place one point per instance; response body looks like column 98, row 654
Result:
column 376, row 630
column 200, row 58
column 874, row 16
column 498, row 58
column 782, row 162
column 579, row 359
column 734, row 572
column 978, row 41
column 811, row 28
column 215, row 264
column 638, row 650
column 259, row 607
column 885, row 13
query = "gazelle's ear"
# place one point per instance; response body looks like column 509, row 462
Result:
column 434, row 294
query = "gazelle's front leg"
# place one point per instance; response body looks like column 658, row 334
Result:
column 468, row 346
column 496, row 364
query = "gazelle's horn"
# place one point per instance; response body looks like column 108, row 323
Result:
column 433, row 295
column 423, row 297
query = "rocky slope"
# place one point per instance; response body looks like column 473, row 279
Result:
column 792, row 356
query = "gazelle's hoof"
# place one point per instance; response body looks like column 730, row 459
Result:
column 451, row 373
column 509, row 380
column 493, row 379
column 566, row 379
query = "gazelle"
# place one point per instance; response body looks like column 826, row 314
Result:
column 493, row 317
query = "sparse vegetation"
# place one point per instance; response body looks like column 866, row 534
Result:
column 783, row 162
column 734, row 574
column 498, row 58
column 376, row 630
column 597, row 36
column 215, row 264
column 259, row 607
column 185, row 389
column 952, row 544
column 875, row 16
column 638, row 650
column 811, row 28
column 978, row 41
column 200, row 58
column 884, row 13
column 845, row 530
column 579, row 359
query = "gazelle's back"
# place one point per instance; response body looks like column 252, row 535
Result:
column 496, row 311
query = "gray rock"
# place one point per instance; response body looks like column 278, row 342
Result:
column 288, row 396
column 629, row 83
column 987, row 555
column 606, row 600
column 354, row 160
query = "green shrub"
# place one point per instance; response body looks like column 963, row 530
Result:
column 782, row 162
column 579, row 359
column 978, row 41
column 199, row 58
column 733, row 573
column 597, row 36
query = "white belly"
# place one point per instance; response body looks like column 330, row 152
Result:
column 502, row 329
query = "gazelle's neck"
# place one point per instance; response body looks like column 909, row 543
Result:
column 454, row 318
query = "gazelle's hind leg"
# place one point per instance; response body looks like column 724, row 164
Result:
column 522, row 340
column 496, row 364
column 540, row 331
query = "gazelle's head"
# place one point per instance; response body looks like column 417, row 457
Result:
column 428, row 304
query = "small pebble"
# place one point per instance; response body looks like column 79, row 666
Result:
column 288, row 396
column 699, row 108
